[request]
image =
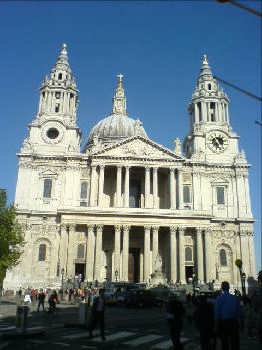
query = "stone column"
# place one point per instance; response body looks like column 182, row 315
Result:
column 181, row 255
column 196, row 113
column 173, row 254
column 180, row 189
column 64, row 248
column 117, row 250
column 93, row 186
column 101, row 185
column 127, row 187
column 154, row 246
column 98, row 258
column 155, row 186
column 126, row 229
column 147, row 253
column 90, row 254
column 209, row 257
column 118, row 186
column 172, row 188
column 70, row 251
column 200, row 265
column 147, row 186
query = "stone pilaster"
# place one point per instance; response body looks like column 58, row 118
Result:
column 90, row 254
column 181, row 238
column 180, row 189
column 101, row 185
column 63, row 248
column 155, row 187
column 209, row 259
column 200, row 261
column 147, row 253
column 98, row 245
column 126, row 229
column 173, row 254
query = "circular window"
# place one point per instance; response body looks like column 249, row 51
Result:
column 52, row 133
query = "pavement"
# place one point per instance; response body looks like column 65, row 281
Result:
column 125, row 329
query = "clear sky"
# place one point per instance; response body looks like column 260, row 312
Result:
column 157, row 45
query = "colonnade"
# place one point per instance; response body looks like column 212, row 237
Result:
column 150, row 246
column 97, row 186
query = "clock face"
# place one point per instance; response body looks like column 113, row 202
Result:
column 217, row 142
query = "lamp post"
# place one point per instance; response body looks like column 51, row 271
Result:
column 62, row 273
column 116, row 275
column 243, row 283
column 194, row 283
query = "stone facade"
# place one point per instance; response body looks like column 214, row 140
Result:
column 124, row 204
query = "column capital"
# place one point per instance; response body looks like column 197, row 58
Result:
column 147, row 168
column 93, row 166
column 99, row 227
column 126, row 228
column 63, row 226
column 90, row 227
column 71, row 227
column 155, row 168
column 155, row 227
column 117, row 227
column 147, row 227
column 181, row 229
column 127, row 166
column 173, row 229
column 102, row 166
column 199, row 229
column 172, row 169
column 119, row 166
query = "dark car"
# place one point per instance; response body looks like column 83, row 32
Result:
column 139, row 298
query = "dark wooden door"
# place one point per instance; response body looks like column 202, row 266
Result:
column 133, row 265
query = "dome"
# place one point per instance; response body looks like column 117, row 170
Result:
column 116, row 127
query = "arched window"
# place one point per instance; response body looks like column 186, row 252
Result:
column 42, row 252
column 60, row 76
column 223, row 257
column 188, row 254
column 47, row 188
column 80, row 251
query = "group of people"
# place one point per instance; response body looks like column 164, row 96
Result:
column 39, row 296
column 216, row 319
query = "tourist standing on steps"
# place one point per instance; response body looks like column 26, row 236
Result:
column 175, row 313
column 227, row 314
column 98, row 315
column 41, row 300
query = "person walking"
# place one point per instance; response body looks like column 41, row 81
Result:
column 227, row 314
column 98, row 315
column 204, row 318
column 41, row 300
column 175, row 313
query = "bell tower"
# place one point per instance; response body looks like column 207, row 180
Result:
column 54, row 129
column 211, row 136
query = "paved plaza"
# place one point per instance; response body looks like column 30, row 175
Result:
column 125, row 328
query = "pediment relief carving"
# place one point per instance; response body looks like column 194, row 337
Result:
column 140, row 148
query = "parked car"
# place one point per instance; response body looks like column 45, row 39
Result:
column 139, row 298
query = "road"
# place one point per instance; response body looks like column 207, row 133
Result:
column 125, row 329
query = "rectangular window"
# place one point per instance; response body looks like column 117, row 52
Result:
column 220, row 195
column 47, row 188
column 83, row 192
column 187, row 193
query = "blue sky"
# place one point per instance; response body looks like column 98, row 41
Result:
column 156, row 45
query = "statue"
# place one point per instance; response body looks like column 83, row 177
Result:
column 158, row 263
column 177, row 150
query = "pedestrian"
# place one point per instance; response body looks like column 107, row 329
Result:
column 98, row 315
column 227, row 314
column 52, row 301
column 175, row 315
column 27, row 298
column 41, row 300
column 204, row 318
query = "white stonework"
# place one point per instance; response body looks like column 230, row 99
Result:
column 109, row 210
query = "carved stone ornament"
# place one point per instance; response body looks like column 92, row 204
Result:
column 27, row 146
column 158, row 263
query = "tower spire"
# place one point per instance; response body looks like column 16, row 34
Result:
column 59, row 94
column 119, row 99
column 205, row 70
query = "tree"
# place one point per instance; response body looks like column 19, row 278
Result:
column 11, row 237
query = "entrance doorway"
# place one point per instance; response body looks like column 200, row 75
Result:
column 133, row 265
column 134, row 194
column 189, row 272
column 80, row 269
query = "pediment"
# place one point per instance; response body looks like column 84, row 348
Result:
column 138, row 148
column 48, row 173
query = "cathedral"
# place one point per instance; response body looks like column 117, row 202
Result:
column 123, row 206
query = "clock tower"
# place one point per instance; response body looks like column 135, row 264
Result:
column 211, row 137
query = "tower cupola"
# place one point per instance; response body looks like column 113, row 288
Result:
column 58, row 91
column 209, row 103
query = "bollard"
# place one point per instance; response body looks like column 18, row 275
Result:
column 83, row 313
column 22, row 317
